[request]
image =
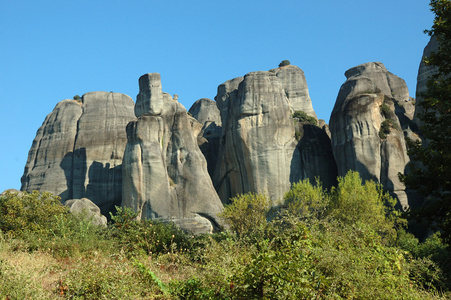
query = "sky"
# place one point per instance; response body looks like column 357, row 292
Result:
column 52, row 50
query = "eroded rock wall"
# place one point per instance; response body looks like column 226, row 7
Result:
column 366, row 133
column 164, row 172
column 258, row 151
column 77, row 152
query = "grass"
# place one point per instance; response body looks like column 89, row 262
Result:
column 303, row 251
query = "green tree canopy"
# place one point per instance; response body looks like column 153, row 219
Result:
column 430, row 173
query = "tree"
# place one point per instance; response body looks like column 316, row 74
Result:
column 284, row 63
column 247, row 213
column 430, row 174
column 355, row 202
column 304, row 117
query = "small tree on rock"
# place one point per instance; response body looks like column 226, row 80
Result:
column 284, row 63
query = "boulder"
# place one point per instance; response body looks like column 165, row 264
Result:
column 86, row 209
column 77, row 152
column 164, row 172
column 366, row 132
column 206, row 112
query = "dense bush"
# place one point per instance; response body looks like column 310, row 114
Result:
column 306, row 200
column 358, row 203
column 145, row 236
column 22, row 212
column 347, row 243
column 303, row 117
column 247, row 213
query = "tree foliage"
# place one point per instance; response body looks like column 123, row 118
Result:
column 247, row 213
column 431, row 172
column 22, row 212
column 304, row 117
column 284, row 63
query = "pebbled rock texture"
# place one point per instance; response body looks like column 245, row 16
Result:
column 365, row 104
column 164, row 172
column 77, row 152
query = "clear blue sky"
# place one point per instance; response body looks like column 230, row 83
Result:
column 53, row 50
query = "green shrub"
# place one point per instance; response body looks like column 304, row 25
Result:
column 195, row 288
column 306, row 200
column 430, row 263
column 385, row 110
column 146, row 236
column 355, row 202
column 247, row 213
column 22, row 213
column 284, row 63
column 281, row 267
column 303, row 117
column 386, row 127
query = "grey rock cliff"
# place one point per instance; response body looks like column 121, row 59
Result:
column 207, row 113
column 258, row 151
column 314, row 156
column 164, row 172
column 77, row 152
column 50, row 159
column 424, row 72
column 296, row 90
column 365, row 104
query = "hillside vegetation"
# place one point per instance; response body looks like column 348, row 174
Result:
column 347, row 243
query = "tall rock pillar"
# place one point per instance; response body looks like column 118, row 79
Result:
column 164, row 172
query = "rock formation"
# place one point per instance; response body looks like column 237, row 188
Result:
column 164, row 172
column 316, row 158
column 206, row 112
column 424, row 72
column 77, row 152
column 258, row 151
column 257, row 136
column 85, row 208
column 296, row 90
column 366, row 133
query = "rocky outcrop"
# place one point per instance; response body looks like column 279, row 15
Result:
column 316, row 158
column 164, row 172
column 86, row 209
column 258, row 151
column 50, row 159
column 424, row 73
column 296, row 90
column 206, row 112
column 77, row 152
column 366, row 132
